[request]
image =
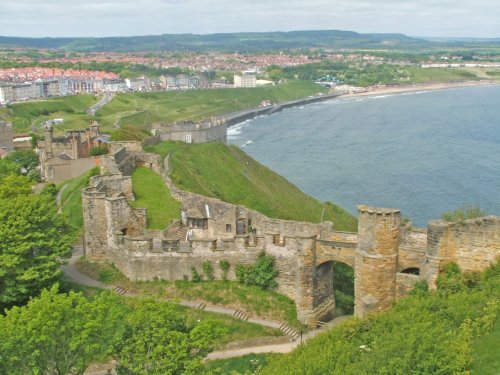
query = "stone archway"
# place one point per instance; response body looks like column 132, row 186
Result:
column 327, row 280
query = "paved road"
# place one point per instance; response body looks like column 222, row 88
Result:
column 108, row 96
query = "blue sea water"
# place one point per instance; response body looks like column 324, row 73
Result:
column 422, row 152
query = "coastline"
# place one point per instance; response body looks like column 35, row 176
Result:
column 234, row 118
column 374, row 90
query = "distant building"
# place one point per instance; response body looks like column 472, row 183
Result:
column 214, row 130
column 6, row 94
column 137, row 84
column 114, row 85
column 66, row 157
column 248, row 78
column 6, row 138
column 181, row 82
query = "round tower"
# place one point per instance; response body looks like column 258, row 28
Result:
column 376, row 259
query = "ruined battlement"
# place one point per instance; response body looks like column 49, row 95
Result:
column 388, row 257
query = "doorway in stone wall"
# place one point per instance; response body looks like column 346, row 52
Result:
column 334, row 280
column 343, row 288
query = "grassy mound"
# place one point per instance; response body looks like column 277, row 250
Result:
column 151, row 192
column 425, row 333
column 225, row 172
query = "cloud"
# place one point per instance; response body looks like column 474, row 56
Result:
column 127, row 17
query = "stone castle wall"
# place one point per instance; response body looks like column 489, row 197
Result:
column 381, row 252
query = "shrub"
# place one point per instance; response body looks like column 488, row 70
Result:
column 468, row 211
column 195, row 276
column 99, row 150
column 261, row 273
column 224, row 266
column 208, row 270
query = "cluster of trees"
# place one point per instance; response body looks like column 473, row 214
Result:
column 20, row 163
column 356, row 74
column 425, row 333
column 62, row 333
column 34, row 237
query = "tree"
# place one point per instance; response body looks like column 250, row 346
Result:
column 26, row 160
column 157, row 341
column 34, row 239
column 7, row 168
column 59, row 333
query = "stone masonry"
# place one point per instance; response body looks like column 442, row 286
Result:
column 387, row 257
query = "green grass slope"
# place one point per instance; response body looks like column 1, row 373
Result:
column 28, row 115
column 130, row 115
column 139, row 110
column 151, row 192
column 425, row 333
column 225, row 172
column 71, row 198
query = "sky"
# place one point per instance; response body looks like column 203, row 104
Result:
column 67, row 18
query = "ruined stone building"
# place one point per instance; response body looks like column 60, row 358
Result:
column 388, row 257
column 6, row 138
column 62, row 158
column 213, row 130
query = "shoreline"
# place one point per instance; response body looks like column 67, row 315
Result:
column 421, row 87
column 235, row 118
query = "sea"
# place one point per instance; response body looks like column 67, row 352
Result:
column 424, row 152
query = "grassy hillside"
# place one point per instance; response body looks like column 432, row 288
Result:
column 442, row 332
column 130, row 115
column 225, row 172
column 71, row 198
column 139, row 110
column 151, row 192
column 30, row 115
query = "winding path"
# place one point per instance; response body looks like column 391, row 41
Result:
column 72, row 272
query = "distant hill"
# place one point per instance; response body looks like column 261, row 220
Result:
column 242, row 42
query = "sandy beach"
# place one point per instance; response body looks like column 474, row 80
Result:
column 382, row 90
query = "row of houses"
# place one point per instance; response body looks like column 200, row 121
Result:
column 41, row 88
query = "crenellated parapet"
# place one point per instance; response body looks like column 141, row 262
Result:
column 388, row 256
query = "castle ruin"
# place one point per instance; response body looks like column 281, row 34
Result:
column 388, row 257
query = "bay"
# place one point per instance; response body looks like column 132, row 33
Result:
column 422, row 152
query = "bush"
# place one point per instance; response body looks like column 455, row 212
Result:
column 208, row 270
column 224, row 266
column 261, row 273
column 195, row 276
column 99, row 150
column 461, row 214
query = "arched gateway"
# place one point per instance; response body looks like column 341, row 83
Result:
column 387, row 257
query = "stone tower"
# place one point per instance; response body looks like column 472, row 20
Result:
column 376, row 259
column 48, row 140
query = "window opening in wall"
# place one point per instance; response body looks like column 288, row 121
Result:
column 228, row 228
column 411, row 271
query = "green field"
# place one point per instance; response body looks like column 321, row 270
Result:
column 227, row 173
column 151, row 192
